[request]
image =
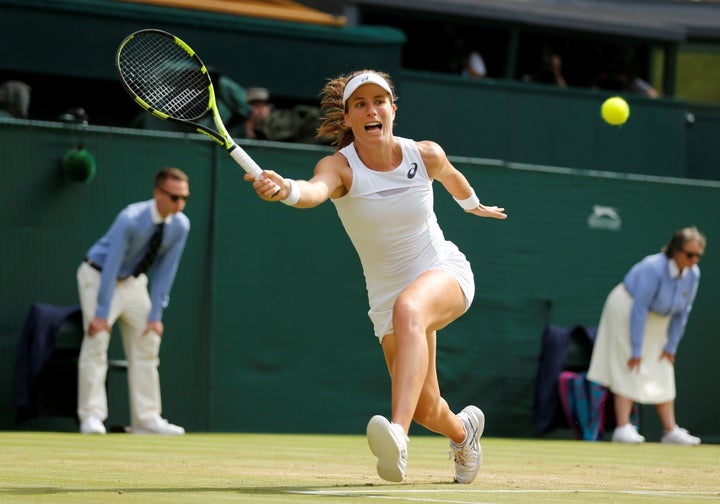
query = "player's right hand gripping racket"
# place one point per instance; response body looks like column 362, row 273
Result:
column 165, row 76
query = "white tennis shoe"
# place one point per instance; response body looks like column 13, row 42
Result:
column 159, row 426
column 468, row 455
column 92, row 425
column 388, row 443
column 627, row 434
column 680, row 436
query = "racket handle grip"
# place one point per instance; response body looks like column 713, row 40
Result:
column 247, row 163
column 244, row 160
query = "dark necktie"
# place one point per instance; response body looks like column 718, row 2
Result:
column 153, row 247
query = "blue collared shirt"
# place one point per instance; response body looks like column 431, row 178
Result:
column 656, row 285
column 124, row 245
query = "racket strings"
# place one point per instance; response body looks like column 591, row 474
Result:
column 163, row 75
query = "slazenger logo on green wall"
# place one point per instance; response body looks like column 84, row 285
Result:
column 604, row 217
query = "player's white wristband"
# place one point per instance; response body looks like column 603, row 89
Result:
column 469, row 203
column 294, row 195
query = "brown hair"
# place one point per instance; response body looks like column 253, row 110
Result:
column 681, row 237
column 333, row 122
column 172, row 173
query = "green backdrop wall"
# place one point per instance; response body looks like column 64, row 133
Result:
column 291, row 59
column 267, row 327
column 543, row 125
column 494, row 119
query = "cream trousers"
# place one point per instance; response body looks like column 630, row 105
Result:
column 130, row 307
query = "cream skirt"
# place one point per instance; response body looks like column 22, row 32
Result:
column 654, row 382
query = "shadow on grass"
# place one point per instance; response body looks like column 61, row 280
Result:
column 336, row 490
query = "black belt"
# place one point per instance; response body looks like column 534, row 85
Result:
column 97, row 267
column 92, row 264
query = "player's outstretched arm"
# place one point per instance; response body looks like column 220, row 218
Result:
column 442, row 170
column 300, row 193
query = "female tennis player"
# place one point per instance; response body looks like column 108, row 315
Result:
column 417, row 281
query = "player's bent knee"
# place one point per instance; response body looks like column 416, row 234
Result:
column 407, row 314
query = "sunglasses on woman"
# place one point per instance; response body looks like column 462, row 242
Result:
column 693, row 255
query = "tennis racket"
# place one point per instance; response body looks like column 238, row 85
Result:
column 165, row 76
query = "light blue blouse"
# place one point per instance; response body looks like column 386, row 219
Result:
column 656, row 285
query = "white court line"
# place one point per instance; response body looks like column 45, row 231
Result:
column 414, row 499
column 404, row 494
column 369, row 494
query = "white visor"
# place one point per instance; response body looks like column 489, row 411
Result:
column 362, row 79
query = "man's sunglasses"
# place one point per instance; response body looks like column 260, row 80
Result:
column 693, row 255
column 175, row 197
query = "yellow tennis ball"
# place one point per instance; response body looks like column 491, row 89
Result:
column 615, row 111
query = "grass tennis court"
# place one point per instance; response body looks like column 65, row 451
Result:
column 272, row 468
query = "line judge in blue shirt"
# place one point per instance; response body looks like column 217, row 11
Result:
column 640, row 328
column 113, row 286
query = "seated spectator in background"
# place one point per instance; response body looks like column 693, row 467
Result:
column 618, row 76
column 258, row 101
column 474, row 66
column 637, row 85
column 297, row 124
column 640, row 86
column 549, row 71
column 14, row 99
column 622, row 82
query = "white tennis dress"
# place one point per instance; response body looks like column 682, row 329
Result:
column 390, row 220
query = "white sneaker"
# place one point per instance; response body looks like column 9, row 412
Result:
column 159, row 426
column 468, row 456
column 681, row 436
column 388, row 443
column 92, row 425
column 627, row 434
